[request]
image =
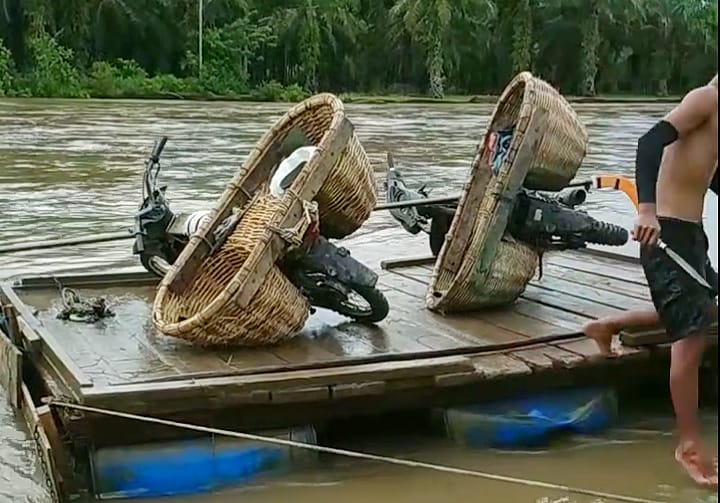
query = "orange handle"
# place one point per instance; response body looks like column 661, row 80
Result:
column 620, row 183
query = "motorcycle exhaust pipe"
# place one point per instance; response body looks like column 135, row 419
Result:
column 573, row 197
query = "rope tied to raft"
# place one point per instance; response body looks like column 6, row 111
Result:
column 351, row 454
column 78, row 309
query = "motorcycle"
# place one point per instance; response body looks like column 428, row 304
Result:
column 327, row 275
column 543, row 220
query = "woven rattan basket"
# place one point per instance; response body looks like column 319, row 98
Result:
column 205, row 313
column 480, row 265
column 236, row 294
column 565, row 145
column 348, row 195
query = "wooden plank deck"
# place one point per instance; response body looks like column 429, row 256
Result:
column 122, row 363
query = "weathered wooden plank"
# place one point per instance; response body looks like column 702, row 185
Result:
column 296, row 395
column 457, row 379
column 420, row 274
column 468, row 328
column 596, row 281
column 301, row 349
column 44, row 448
column 586, row 348
column 568, row 303
column 52, row 350
column 401, row 263
column 570, row 321
column 11, row 324
column 32, row 342
column 151, row 397
column 594, row 294
column 10, row 370
column 509, row 319
column 499, row 365
column 61, row 457
column 605, row 267
column 339, row 391
column 409, row 317
column 548, row 357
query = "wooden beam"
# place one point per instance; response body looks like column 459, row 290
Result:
column 51, row 349
column 10, row 370
column 398, row 263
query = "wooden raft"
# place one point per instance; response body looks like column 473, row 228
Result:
column 334, row 368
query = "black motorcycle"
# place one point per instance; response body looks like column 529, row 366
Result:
column 546, row 221
column 325, row 274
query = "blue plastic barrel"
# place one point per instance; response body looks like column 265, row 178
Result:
column 530, row 421
column 194, row 466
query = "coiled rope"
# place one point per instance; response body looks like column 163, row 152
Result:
column 353, row 454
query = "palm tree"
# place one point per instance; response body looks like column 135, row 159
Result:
column 429, row 24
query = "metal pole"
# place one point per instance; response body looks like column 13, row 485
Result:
column 200, row 37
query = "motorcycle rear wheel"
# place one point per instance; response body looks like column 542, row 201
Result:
column 378, row 305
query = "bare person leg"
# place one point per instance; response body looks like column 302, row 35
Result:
column 686, row 355
column 602, row 330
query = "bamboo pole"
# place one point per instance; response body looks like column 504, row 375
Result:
column 58, row 243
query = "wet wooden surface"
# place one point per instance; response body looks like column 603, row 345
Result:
column 124, row 352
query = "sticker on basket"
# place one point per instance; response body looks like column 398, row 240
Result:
column 502, row 140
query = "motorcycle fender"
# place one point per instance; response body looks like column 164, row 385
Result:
column 337, row 263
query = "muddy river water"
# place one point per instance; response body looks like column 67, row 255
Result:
column 73, row 168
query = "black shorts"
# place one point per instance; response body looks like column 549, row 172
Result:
column 685, row 307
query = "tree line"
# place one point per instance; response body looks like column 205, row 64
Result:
column 285, row 49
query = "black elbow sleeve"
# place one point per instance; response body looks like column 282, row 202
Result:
column 714, row 182
column 648, row 157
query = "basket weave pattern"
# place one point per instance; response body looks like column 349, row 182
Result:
column 276, row 312
column 563, row 148
column 482, row 283
column 348, row 195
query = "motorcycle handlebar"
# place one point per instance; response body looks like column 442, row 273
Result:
column 158, row 148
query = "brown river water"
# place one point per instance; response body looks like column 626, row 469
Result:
column 73, row 168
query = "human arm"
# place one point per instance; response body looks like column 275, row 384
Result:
column 691, row 113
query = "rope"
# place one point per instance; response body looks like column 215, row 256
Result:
column 354, row 454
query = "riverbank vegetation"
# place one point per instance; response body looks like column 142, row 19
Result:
column 283, row 50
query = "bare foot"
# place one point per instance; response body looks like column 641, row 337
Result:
column 602, row 333
column 698, row 466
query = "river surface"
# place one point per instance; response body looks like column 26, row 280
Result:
column 73, row 168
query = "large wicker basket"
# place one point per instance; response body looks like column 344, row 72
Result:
column 235, row 293
column 348, row 195
column 565, row 145
column 480, row 265
column 205, row 313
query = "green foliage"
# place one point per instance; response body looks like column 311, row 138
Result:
column 283, row 50
column 6, row 70
column 275, row 91
column 52, row 72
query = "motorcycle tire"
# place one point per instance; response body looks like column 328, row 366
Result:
column 603, row 233
column 154, row 265
column 439, row 227
column 379, row 306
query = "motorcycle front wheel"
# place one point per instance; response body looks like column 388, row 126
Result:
column 154, row 264
column 375, row 311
